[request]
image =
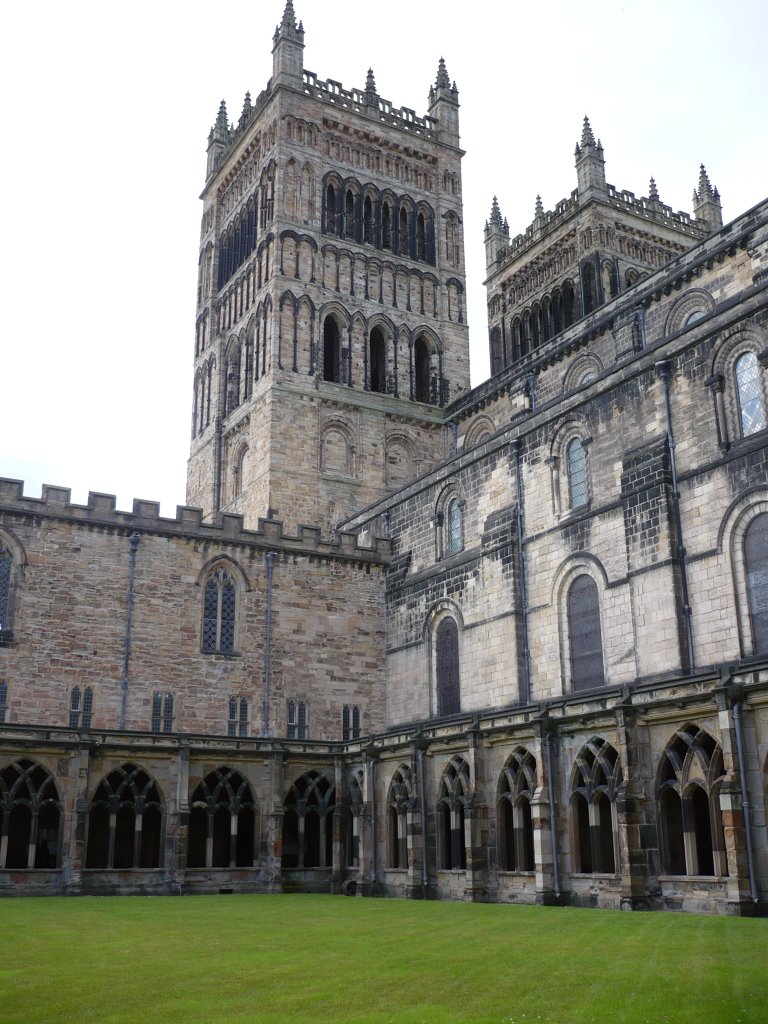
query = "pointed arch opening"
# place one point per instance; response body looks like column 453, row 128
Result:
column 378, row 361
column 331, row 351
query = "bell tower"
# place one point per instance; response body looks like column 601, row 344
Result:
column 331, row 317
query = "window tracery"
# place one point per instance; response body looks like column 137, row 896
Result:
column 219, row 608
column 125, row 821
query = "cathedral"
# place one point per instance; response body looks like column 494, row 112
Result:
column 408, row 637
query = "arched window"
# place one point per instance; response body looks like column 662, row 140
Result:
column 368, row 221
column 400, row 803
column 125, row 821
column 349, row 215
column 756, row 568
column 330, row 210
column 690, row 775
column 576, row 462
column 597, row 777
column 219, row 614
column 447, row 667
column 378, row 362
column 308, row 823
column 6, row 564
column 585, row 635
column 517, row 786
column 331, row 351
column 590, row 288
column 749, row 394
column 421, row 368
column 405, row 241
column 454, row 527
column 30, row 814
column 222, row 822
column 567, row 297
column 386, row 226
column 421, row 237
column 451, row 804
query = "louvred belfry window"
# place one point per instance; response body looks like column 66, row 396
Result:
column 219, row 614
column 586, row 638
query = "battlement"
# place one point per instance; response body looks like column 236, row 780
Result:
column 359, row 101
column 102, row 511
column 651, row 210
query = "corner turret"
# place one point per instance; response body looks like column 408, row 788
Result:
column 288, row 51
column 590, row 164
column 496, row 234
column 218, row 138
column 706, row 203
column 444, row 105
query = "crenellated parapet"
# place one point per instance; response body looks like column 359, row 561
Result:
column 359, row 101
column 101, row 512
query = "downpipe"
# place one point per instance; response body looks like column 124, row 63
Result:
column 270, row 560
column 133, row 541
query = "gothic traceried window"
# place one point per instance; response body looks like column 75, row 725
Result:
column 222, row 822
column 125, row 821
column 30, row 813
column 219, row 614
column 597, row 777
column 3, row 701
column 750, row 396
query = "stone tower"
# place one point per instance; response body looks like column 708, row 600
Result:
column 331, row 327
column 592, row 247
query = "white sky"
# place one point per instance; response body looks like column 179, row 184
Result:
column 106, row 110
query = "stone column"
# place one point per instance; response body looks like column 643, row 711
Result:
column 75, row 811
column 733, row 857
column 631, row 814
column 272, row 829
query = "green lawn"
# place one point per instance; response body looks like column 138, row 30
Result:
column 286, row 959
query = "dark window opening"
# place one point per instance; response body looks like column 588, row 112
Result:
column 405, row 242
column 378, row 365
column 5, row 587
column 368, row 221
column 386, row 226
column 330, row 210
column 421, row 237
column 351, row 722
column 30, row 817
column 298, row 728
column 756, row 568
column 421, row 371
column 222, row 822
column 702, row 828
column 125, row 822
column 447, row 658
column 349, row 215
column 586, row 641
column 308, row 823
column 331, row 351
column 237, row 719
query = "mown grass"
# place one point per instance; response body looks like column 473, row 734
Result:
column 296, row 959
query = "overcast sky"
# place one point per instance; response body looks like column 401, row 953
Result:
column 106, row 110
